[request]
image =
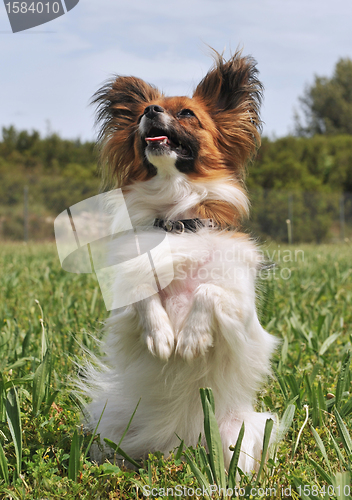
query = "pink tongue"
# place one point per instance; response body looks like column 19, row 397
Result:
column 156, row 139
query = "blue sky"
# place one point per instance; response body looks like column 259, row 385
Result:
column 49, row 73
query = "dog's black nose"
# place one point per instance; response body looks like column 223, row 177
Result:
column 152, row 110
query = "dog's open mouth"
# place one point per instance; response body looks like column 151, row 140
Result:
column 157, row 140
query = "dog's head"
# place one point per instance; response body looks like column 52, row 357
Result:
column 207, row 137
column 214, row 132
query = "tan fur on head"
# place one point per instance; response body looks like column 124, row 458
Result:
column 120, row 102
column 226, row 105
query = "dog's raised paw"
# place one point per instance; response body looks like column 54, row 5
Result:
column 158, row 333
column 193, row 341
column 159, row 337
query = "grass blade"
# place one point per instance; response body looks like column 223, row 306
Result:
column 202, row 480
column 328, row 342
column 204, row 460
column 94, row 433
column 346, row 409
column 266, row 440
column 324, row 475
column 2, row 399
column 179, row 452
column 44, row 340
column 129, row 423
column 235, row 457
column 315, row 409
column 128, row 458
column 50, row 401
column 39, row 382
column 4, row 471
column 337, row 450
column 213, row 438
column 116, row 447
column 74, row 464
column 344, row 434
column 26, row 343
column 286, row 422
column 150, row 473
column 118, row 450
column 210, row 397
column 14, row 421
column 321, row 400
column 282, row 383
column 321, row 447
column 342, row 485
column 295, row 388
column 94, row 299
column 341, row 382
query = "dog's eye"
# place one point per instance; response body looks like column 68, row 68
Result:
column 186, row 113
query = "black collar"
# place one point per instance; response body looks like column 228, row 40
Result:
column 180, row 226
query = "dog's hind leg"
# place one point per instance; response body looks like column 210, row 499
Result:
column 252, row 444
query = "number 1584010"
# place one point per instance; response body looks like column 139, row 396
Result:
column 33, row 7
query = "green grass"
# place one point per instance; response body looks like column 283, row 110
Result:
column 46, row 316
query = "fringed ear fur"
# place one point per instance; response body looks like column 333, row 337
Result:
column 232, row 94
column 119, row 103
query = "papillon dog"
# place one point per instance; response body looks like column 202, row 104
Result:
column 180, row 163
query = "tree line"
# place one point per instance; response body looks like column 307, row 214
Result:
column 317, row 163
column 317, row 158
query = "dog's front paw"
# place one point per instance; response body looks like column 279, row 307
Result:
column 195, row 336
column 158, row 333
column 160, row 338
column 193, row 340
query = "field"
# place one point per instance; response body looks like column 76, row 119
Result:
column 47, row 315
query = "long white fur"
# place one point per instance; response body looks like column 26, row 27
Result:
column 201, row 331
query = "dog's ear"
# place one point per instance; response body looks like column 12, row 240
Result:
column 232, row 94
column 120, row 103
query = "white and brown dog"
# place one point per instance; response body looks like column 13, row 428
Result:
column 180, row 162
